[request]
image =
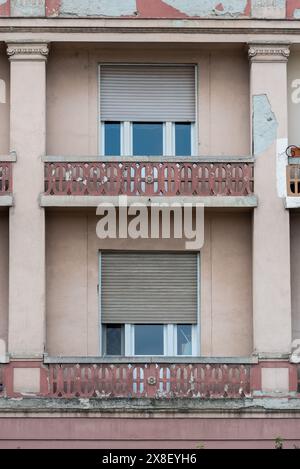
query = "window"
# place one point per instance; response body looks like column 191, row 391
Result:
column 147, row 110
column 113, row 339
column 184, row 339
column 183, row 139
column 149, row 339
column 147, row 139
column 112, row 138
column 149, row 303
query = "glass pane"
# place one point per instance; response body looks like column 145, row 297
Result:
column 114, row 340
column 184, row 339
column 183, row 139
column 112, row 138
column 147, row 139
column 149, row 339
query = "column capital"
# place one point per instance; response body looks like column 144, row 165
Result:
column 268, row 52
column 28, row 51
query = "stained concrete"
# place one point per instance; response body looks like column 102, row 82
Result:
column 264, row 124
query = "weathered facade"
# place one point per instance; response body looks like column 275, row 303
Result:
column 223, row 79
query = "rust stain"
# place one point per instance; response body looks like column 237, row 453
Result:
column 157, row 9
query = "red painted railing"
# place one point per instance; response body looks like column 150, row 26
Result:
column 149, row 179
column 149, row 380
column 5, row 178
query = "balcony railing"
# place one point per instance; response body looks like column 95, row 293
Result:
column 149, row 380
column 293, row 171
column 191, row 177
column 5, row 178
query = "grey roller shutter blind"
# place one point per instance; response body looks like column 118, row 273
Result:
column 147, row 93
column 148, row 287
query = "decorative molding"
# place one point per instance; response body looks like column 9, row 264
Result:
column 269, row 52
column 28, row 51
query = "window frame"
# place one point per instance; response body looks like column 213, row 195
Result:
column 169, row 140
column 170, row 335
column 169, row 137
column 170, row 332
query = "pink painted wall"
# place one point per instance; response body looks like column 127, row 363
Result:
column 72, row 94
column 136, row 432
column 3, row 275
column 4, row 102
column 72, row 276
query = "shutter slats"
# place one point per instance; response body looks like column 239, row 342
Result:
column 147, row 93
column 149, row 288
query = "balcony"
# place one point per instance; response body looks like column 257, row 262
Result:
column 5, row 181
column 124, row 379
column 82, row 181
column 293, row 177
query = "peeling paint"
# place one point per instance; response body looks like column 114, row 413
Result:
column 172, row 9
column 52, row 7
column 148, row 9
column 27, row 7
column 264, row 124
column 112, row 8
column 204, row 8
column 274, row 9
column 291, row 8
column 4, row 8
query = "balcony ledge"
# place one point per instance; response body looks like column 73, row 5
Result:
column 76, row 201
column 259, row 407
column 6, row 201
column 48, row 360
column 291, row 202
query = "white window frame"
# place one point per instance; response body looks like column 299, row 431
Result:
column 170, row 332
column 169, row 142
column 126, row 140
column 170, row 341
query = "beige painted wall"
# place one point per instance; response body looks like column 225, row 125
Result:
column 295, row 274
column 72, row 277
column 223, row 98
column 3, row 276
column 4, row 102
column 294, row 97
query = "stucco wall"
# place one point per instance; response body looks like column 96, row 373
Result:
column 295, row 274
column 72, row 278
column 294, row 97
column 3, row 276
column 72, row 95
column 4, row 102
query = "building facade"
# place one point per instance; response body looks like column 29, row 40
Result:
column 138, row 341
